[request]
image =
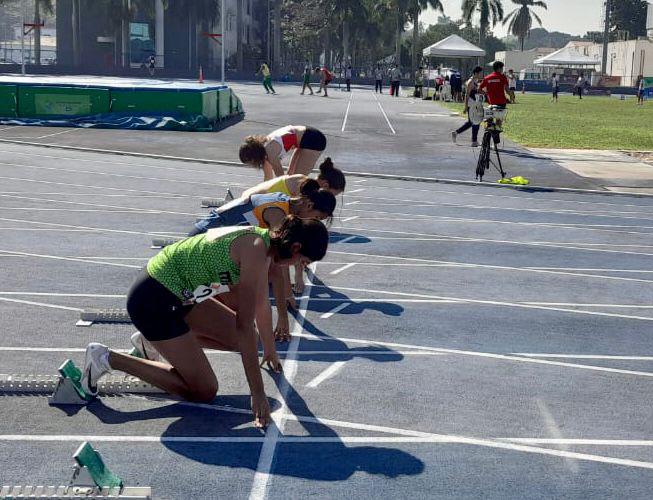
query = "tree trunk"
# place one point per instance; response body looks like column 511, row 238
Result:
column 415, row 17
column 37, row 32
column 399, row 30
column 75, row 31
column 239, row 35
column 327, row 48
column 277, row 35
column 345, row 41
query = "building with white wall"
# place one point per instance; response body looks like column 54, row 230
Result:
column 518, row 60
column 627, row 59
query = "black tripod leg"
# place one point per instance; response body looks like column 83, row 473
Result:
column 496, row 150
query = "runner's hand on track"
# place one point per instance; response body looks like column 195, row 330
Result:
column 261, row 411
column 273, row 362
column 282, row 330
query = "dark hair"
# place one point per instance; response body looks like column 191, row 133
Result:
column 477, row 69
column 311, row 234
column 332, row 175
column 322, row 200
column 253, row 150
column 497, row 65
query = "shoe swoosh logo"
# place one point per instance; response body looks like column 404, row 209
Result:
column 90, row 378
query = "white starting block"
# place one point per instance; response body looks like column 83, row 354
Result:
column 91, row 479
column 111, row 315
column 215, row 203
column 163, row 242
column 66, row 388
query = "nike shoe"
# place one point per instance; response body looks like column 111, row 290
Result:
column 144, row 349
column 454, row 135
column 96, row 364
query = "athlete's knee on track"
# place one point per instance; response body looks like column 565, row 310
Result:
column 202, row 394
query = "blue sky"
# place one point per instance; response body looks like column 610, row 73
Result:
column 575, row 17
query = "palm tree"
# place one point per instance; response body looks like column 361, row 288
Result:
column 400, row 8
column 491, row 11
column 415, row 8
column 521, row 19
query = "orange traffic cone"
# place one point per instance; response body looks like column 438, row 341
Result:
column 201, row 77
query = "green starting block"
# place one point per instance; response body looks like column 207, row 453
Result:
column 91, row 479
column 215, row 203
column 69, row 388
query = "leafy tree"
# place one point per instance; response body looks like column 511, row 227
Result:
column 629, row 16
column 415, row 8
column 490, row 12
column 520, row 20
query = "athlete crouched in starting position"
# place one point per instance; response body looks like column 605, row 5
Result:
column 267, row 152
column 209, row 291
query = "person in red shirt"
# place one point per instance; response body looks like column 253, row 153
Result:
column 495, row 87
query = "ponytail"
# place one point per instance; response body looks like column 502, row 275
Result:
column 332, row 175
column 309, row 233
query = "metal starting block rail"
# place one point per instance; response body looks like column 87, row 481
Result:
column 111, row 315
column 66, row 389
column 163, row 242
column 91, row 479
column 215, row 203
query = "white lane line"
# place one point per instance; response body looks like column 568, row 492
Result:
column 343, row 268
column 490, row 355
column 56, row 257
column 614, row 357
column 384, row 115
column 593, row 269
column 49, row 294
column 344, row 122
column 89, row 228
column 41, row 304
column 335, row 310
column 483, row 266
column 345, row 240
column 359, row 181
column 98, row 195
column 90, row 210
column 352, row 203
column 554, row 431
column 264, row 466
column 58, row 133
column 356, row 191
column 567, row 304
column 491, row 303
column 349, row 353
column 326, row 374
column 350, row 218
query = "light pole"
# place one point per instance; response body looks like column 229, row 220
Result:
column 268, row 33
column 224, row 39
column 22, row 38
column 606, row 35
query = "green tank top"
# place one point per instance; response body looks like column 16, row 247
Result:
column 195, row 269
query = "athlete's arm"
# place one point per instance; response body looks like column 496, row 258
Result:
column 293, row 182
column 469, row 91
column 253, row 268
column 274, row 217
column 273, row 161
column 264, row 325
column 282, row 330
column 293, row 162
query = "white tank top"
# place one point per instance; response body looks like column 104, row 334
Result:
column 286, row 137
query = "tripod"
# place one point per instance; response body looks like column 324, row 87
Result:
column 492, row 134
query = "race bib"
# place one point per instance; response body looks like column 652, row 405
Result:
column 203, row 292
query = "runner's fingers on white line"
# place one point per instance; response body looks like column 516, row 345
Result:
column 261, row 411
column 273, row 363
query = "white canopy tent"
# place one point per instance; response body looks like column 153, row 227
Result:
column 567, row 57
column 453, row 46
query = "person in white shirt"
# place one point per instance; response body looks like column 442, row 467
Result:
column 378, row 77
column 512, row 85
column 348, row 74
column 640, row 90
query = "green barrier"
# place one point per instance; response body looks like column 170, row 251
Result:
column 8, row 101
column 224, row 103
column 142, row 101
column 35, row 101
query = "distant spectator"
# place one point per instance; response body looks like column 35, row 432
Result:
column 580, row 84
column 555, row 87
column 419, row 82
column 378, row 79
column 395, row 80
column 512, row 85
column 267, row 78
column 151, row 64
column 446, row 89
column 471, row 104
column 456, row 86
column 348, row 75
column 640, row 90
column 325, row 79
column 307, row 78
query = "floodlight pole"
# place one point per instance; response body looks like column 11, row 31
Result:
column 22, row 38
column 606, row 36
column 224, row 38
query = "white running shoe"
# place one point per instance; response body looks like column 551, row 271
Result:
column 474, row 144
column 143, row 347
column 454, row 135
column 96, row 364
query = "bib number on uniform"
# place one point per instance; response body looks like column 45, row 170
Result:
column 203, row 292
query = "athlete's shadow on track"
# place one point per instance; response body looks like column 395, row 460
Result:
column 336, row 237
column 324, row 299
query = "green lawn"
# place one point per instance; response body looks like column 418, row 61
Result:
column 593, row 123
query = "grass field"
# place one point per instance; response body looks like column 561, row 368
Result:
column 593, row 123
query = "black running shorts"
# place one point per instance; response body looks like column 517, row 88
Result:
column 155, row 311
column 313, row 139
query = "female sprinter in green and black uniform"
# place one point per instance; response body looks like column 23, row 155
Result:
column 210, row 291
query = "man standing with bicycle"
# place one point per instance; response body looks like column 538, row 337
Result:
column 495, row 87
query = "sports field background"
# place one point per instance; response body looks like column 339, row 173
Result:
column 571, row 123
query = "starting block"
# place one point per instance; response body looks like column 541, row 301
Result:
column 66, row 388
column 215, row 203
column 163, row 242
column 116, row 315
column 91, row 479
